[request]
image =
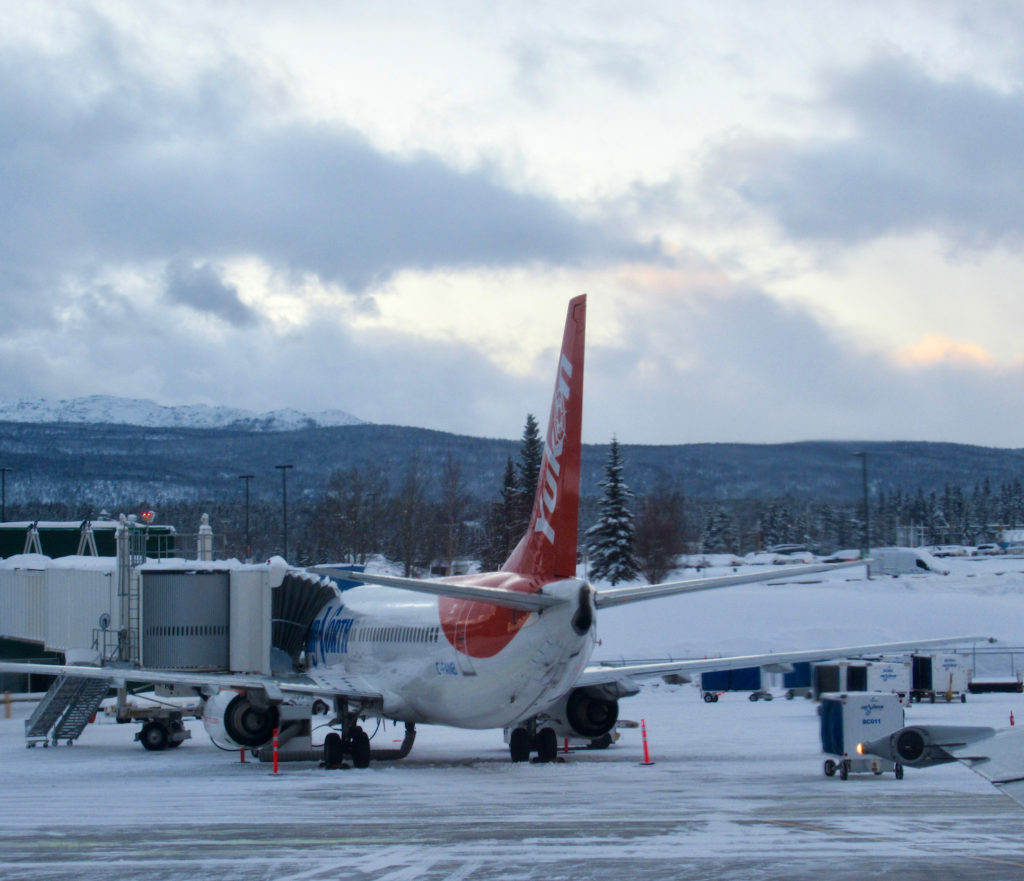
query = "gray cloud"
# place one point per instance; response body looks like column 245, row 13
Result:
column 719, row 365
column 737, row 366
column 924, row 154
column 201, row 288
column 137, row 171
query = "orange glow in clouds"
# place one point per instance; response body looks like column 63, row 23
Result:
column 935, row 349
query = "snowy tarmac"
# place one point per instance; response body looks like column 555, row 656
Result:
column 736, row 792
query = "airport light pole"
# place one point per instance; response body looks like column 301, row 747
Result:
column 3, row 493
column 248, row 541
column 284, row 503
column 866, row 539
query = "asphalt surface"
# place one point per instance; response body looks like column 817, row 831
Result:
column 736, row 793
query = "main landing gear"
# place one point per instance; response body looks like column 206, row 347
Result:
column 521, row 743
column 356, row 746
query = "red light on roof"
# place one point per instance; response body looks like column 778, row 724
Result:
column 147, row 516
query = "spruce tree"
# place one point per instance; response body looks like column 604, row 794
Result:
column 501, row 523
column 719, row 532
column 609, row 542
column 528, row 472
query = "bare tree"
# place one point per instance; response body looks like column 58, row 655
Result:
column 660, row 534
column 453, row 501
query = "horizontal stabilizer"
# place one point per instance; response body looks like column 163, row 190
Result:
column 622, row 595
column 496, row 596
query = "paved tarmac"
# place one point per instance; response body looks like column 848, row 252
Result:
column 736, row 793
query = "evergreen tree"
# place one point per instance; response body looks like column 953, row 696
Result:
column 531, row 452
column 609, row 542
column 500, row 532
column 719, row 532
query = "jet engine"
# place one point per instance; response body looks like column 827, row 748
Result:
column 582, row 713
column 233, row 720
column 920, row 746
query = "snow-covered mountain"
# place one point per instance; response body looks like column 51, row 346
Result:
column 105, row 409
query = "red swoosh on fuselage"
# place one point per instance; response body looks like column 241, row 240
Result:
column 480, row 629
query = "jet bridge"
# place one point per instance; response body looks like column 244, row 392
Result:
column 165, row 614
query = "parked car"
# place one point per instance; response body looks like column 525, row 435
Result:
column 988, row 549
column 948, row 551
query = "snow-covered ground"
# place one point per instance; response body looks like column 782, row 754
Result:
column 983, row 596
column 736, row 791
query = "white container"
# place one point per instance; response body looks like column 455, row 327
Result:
column 852, row 718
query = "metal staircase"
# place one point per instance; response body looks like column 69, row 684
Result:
column 65, row 710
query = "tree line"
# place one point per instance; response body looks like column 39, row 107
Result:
column 435, row 525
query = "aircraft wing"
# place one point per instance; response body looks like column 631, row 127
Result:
column 209, row 683
column 1000, row 760
column 619, row 678
column 997, row 754
column 622, row 595
column 512, row 599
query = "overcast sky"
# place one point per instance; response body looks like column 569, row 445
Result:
column 793, row 220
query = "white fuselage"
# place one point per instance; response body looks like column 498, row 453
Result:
column 394, row 643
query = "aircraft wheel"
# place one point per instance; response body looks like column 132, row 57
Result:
column 830, row 768
column 709, row 698
column 898, row 771
column 153, row 736
column 844, row 771
column 360, row 748
column 547, row 745
column 334, row 750
column 519, row 745
column 753, row 697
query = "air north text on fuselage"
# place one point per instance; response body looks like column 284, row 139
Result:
column 548, row 498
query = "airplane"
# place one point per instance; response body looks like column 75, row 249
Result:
column 997, row 754
column 509, row 649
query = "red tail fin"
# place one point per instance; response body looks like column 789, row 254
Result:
column 549, row 546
